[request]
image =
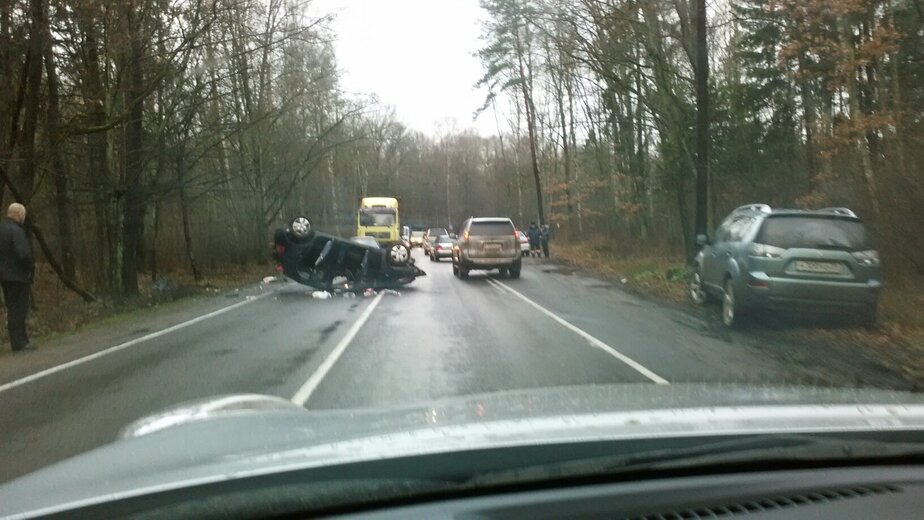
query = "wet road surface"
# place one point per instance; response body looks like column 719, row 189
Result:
column 441, row 337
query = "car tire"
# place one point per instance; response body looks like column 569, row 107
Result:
column 870, row 318
column 299, row 230
column 731, row 311
column 515, row 269
column 697, row 290
column 399, row 255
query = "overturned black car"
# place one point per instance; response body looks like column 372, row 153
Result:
column 332, row 263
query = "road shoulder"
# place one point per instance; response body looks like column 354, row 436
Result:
column 95, row 337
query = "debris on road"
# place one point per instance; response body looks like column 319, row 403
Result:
column 321, row 295
column 269, row 279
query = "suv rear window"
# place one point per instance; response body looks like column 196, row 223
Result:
column 495, row 228
column 814, row 233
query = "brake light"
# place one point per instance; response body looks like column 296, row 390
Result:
column 440, row 246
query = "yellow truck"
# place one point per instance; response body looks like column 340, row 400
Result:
column 378, row 217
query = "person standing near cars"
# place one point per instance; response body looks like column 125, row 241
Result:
column 17, row 267
column 544, row 236
column 535, row 236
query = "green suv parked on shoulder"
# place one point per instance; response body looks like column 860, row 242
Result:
column 763, row 259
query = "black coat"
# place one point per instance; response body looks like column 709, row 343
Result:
column 16, row 262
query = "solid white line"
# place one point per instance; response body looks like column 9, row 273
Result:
column 303, row 393
column 590, row 339
column 110, row 350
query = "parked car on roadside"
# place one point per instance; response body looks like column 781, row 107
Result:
column 417, row 238
column 430, row 238
column 763, row 259
column 487, row 243
column 524, row 242
column 435, row 232
column 441, row 248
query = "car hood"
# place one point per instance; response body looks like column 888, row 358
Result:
column 238, row 436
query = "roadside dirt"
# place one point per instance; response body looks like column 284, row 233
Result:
column 891, row 356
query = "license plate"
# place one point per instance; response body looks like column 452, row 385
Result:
column 493, row 247
column 806, row 266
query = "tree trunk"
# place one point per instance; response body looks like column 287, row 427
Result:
column 860, row 142
column 133, row 199
column 60, row 173
column 701, row 73
column 32, row 96
column 530, row 123
column 184, row 212
column 98, row 172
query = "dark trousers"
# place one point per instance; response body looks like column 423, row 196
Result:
column 16, row 295
column 545, row 248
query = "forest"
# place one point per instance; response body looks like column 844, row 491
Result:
column 163, row 136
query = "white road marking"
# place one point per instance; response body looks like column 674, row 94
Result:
column 122, row 346
column 304, row 393
column 590, row 339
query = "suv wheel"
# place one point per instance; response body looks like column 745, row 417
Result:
column 399, row 254
column 730, row 311
column 697, row 290
column 515, row 269
column 870, row 319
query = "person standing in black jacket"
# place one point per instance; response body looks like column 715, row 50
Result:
column 17, row 268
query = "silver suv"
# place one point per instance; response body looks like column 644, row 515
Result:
column 487, row 243
column 788, row 260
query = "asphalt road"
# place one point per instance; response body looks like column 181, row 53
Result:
column 441, row 337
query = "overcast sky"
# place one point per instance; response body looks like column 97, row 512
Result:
column 415, row 55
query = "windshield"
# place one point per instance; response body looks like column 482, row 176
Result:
column 377, row 217
column 721, row 196
column 490, row 228
column 814, row 232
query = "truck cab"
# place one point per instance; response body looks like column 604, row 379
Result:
column 378, row 217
